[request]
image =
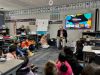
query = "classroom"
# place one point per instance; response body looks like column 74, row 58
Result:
column 49, row 37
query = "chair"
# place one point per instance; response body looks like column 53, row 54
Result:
column 97, row 59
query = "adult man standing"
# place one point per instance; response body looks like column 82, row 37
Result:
column 61, row 37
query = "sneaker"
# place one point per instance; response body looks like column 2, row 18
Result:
column 30, row 54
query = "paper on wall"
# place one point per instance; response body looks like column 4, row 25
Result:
column 42, row 24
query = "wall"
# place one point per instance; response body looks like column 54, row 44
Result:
column 19, row 24
column 72, row 34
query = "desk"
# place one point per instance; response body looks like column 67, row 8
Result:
column 88, row 52
column 10, row 67
column 89, row 49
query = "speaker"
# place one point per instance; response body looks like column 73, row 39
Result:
column 97, row 20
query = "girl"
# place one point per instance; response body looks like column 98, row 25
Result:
column 44, row 42
column 12, row 53
column 63, row 67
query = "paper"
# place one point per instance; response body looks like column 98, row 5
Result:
column 42, row 24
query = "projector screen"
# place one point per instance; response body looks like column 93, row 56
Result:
column 78, row 21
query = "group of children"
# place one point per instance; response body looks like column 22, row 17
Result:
column 25, row 47
column 66, row 64
column 22, row 51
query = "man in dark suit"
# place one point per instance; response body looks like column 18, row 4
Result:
column 61, row 37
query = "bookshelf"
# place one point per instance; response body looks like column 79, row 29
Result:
column 4, row 31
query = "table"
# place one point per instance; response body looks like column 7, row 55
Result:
column 10, row 67
column 89, row 49
column 89, row 52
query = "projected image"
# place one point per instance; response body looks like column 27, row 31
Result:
column 79, row 21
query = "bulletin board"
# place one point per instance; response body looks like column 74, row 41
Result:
column 42, row 26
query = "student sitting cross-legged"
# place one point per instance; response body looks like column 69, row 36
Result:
column 43, row 42
column 70, row 58
column 63, row 66
column 50, row 68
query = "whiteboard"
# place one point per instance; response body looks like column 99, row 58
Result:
column 42, row 24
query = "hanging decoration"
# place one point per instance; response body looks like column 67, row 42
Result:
column 51, row 8
column 51, row 2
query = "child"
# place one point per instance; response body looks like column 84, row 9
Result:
column 50, row 68
column 44, row 42
column 76, row 67
column 63, row 66
column 25, row 46
column 12, row 53
column 26, row 68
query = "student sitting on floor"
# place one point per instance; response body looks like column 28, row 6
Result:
column 79, row 48
column 19, row 51
column 27, row 42
column 25, row 46
column 43, row 41
column 24, row 43
column 63, row 66
column 12, row 53
column 26, row 68
column 50, row 68
column 76, row 67
column 31, row 44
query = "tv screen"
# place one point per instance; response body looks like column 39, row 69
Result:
column 78, row 21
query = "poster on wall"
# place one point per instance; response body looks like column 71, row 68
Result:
column 42, row 24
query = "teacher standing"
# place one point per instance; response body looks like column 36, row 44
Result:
column 61, row 37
